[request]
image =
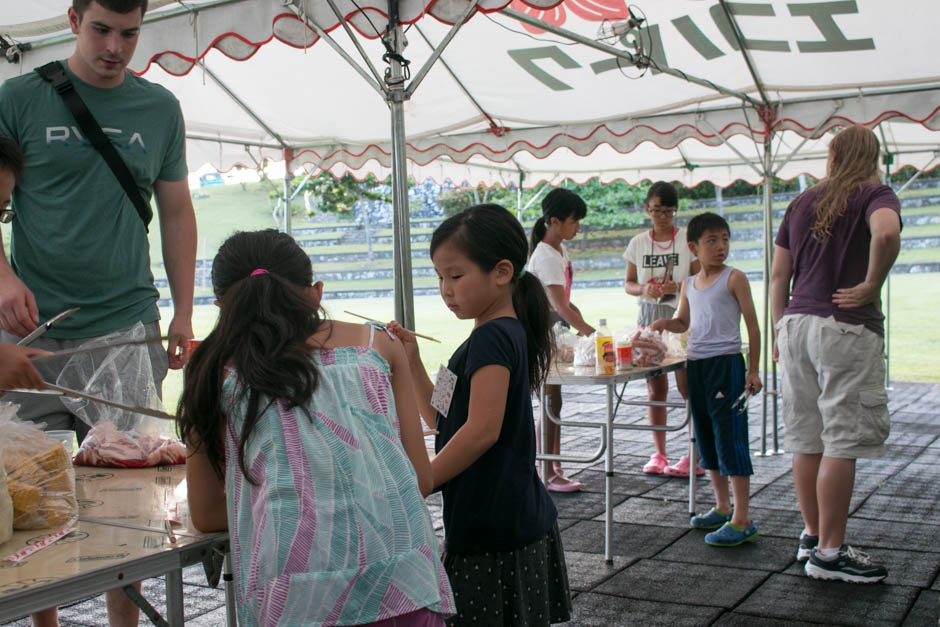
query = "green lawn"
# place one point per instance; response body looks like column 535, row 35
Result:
column 915, row 350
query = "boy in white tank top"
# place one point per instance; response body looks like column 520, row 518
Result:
column 712, row 303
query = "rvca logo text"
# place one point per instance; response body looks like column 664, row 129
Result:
column 69, row 135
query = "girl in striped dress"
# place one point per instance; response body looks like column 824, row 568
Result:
column 304, row 442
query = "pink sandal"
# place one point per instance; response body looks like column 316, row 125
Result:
column 558, row 483
column 681, row 468
column 656, row 464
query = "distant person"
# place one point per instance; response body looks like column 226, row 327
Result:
column 304, row 441
column 502, row 549
column 834, row 249
column 648, row 255
column 712, row 304
column 562, row 212
column 77, row 238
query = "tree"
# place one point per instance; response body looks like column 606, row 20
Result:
column 329, row 194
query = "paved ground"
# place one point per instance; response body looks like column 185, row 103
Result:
column 664, row 574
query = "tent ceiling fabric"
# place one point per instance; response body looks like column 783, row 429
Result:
column 514, row 97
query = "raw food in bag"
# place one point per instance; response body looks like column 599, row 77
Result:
column 106, row 446
column 39, row 474
column 120, row 438
column 648, row 348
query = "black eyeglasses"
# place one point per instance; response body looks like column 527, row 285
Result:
column 7, row 215
column 662, row 213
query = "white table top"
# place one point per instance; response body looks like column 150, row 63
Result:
column 566, row 374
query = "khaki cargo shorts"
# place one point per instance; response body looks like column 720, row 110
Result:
column 834, row 398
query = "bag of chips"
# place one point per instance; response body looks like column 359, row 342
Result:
column 39, row 474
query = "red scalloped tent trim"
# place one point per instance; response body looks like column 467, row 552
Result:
column 515, row 147
column 279, row 16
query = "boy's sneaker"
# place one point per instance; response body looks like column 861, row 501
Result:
column 681, row 468
column 656, row 464
column 712, row 520
column 807, row 544
column 731, row 535
column 850, row 565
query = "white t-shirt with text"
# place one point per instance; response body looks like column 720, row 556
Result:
column 650, row 258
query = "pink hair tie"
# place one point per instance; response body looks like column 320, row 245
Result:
column 258, row 271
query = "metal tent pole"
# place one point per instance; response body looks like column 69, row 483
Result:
column 769, row 365
column 395, row 81
column 288, row 177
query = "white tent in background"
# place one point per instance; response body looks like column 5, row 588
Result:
column 701, row 90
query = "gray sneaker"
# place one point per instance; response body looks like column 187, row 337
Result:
column 807, row 544
column 851, row 565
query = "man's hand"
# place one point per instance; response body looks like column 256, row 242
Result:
column 858, row 296
column 18, row 312
column 180, row 330
column 16, row 370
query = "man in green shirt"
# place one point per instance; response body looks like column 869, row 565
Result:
column 77, row 240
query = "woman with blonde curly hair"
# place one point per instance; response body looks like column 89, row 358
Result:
column 834, row 249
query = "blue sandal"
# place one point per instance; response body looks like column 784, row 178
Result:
column 711, row 520
column 731, row 535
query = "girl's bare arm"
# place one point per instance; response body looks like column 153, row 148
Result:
column 489, row 388
column 205, row 490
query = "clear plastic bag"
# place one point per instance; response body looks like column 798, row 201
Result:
column 565, row 342
column 585, row 352
column 120, row 438
column 675, row 344
column 39, row 475
column 648, row 348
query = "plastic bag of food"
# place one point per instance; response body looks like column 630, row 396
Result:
column 105, row 445
column 565, row 341
column 120, row 438
column 40, row 479
column 585, row 351
column 675, row 346
column 648, row 348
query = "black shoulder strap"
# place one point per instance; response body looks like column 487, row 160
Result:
column 54, row 73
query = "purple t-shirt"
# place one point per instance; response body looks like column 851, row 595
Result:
column 841, row 260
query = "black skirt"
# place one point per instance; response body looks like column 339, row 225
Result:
column 527, row 586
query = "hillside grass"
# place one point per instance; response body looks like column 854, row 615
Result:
column 914, row 336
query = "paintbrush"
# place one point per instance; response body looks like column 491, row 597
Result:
column 427, row 337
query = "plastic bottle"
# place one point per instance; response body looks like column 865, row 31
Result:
column 624, row 347
column 604, row 350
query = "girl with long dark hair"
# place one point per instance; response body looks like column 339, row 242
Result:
column 304, row 441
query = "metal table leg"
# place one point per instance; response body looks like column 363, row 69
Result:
column 174, row 597
column 609, row 476
column 693, row 460
column 228, row 580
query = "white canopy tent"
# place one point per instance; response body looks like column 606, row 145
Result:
column 702, row 90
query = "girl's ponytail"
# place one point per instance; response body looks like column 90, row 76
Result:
column 538, row 234
column 534, row 311
column 267, row 314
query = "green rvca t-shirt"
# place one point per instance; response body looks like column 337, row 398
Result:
column 77, row 239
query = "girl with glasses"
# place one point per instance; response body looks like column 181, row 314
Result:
column 658, row 261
